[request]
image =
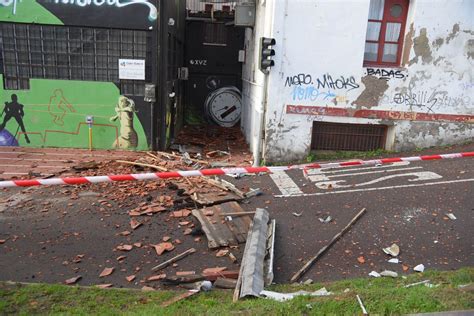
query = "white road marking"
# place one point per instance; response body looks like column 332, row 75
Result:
column 379, row 188
column 420, row 176
column 284, row 183
column 323, row 177
column 344, row 169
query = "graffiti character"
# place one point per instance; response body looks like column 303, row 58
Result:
column 15, row 110
column 125, row 110
column 58, row 101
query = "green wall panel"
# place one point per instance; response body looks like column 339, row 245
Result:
column 55, row 112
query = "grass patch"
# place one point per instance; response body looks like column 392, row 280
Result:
column 380, row 296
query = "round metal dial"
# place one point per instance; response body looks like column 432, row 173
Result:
column 224, row 106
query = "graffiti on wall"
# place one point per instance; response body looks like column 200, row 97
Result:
column 12, row 110
column 52, row 114
column 125, row 111
column 386, row 74
column 307, row 88
column 327, row 81
column 128, row 14
column 427, row 101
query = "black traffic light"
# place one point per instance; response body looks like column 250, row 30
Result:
column 266, row 53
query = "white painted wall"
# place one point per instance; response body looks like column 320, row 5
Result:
column 327, row 37
column 253, row 80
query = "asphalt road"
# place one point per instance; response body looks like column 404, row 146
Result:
column 50, row 236
column 406, row 204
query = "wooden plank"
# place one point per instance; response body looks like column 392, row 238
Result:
column 212, row 198
column 222, row 233
column 310, row 262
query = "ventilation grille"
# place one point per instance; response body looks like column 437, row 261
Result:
column 351, row 137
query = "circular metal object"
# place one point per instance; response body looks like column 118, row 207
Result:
column 224, row 106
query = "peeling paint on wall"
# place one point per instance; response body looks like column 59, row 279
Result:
column 421, row 46
column 453, row 33
column 470, row 49
column 373, row 92
column 408, row 45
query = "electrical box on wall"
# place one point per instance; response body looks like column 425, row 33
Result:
column 245, row 14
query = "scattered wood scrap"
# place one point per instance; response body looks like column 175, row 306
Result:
column 212, row 198
column 222, row 233
column 311, row 261
column 174, row 259
column 142, row 165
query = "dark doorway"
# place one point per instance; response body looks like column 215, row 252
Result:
column 212, row 56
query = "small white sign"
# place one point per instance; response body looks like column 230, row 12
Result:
column 133, row 69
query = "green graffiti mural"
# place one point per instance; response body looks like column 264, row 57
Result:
column 26, row 11
column 53, row 112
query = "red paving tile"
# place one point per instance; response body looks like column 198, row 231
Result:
column 40, row 162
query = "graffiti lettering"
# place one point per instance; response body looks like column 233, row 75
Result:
column 424, row 100
column 152, row 16
column 420, row 100
column 342, row 82
column 326, row 82
column 310, row 93
column 467, row 85
column 299, row 80
column 386, row 74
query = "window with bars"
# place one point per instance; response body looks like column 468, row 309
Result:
column 385, row 30
column 71, row 53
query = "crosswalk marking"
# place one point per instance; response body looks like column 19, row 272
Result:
column 284, row 183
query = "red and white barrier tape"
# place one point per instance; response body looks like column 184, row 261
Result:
column 217, row 172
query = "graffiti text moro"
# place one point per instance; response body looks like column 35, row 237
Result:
column 326, row 82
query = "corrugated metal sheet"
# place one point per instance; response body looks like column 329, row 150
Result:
column 252, row 270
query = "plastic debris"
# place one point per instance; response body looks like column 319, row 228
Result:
column 393, row 250
column 451, row 216
column 325, row 221
column 419, row 268
column 309, row 281
column 388, row 273
column 375, row 274
column 364, row 311
column 417, row 283
column 394, row 260
column 297, row 214
column 281, row 297
column 205, row 286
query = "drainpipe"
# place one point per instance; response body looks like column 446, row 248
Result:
column 260, row 154
column 261, row 129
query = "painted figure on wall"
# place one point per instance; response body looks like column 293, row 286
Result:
column 14, row 110
column 125, row 109
column 58, row 106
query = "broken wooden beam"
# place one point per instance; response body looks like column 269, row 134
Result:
column 174, row 259
column 224, row 283
column 142, row 165
column 237, row 214
column 311, row 261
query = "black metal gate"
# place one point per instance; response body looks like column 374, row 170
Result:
column 211, row 55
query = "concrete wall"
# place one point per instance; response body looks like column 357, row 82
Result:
column 253, row 80
column 427, row 101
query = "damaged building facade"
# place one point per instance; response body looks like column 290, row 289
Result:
column 358, row 75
